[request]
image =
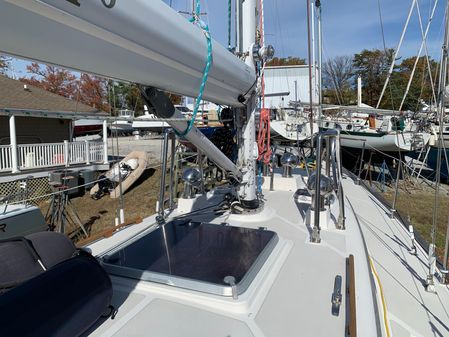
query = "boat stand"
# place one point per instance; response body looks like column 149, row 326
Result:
column 61, row 211
column 383, row 175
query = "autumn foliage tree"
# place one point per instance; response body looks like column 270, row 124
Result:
column 87, row 89
column 56, row 80
column 93, row 91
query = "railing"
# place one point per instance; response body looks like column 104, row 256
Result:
column 35, row 156
column 31, row 156
column 5, row 158
column 78, row 153
column 333, row 162
column 96, row 151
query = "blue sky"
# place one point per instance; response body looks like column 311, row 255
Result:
column 349, row 26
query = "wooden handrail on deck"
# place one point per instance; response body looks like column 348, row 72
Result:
column 350, row 290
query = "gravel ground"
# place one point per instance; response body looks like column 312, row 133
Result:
column 127, row 144
column 139, row 200
column 416, row 203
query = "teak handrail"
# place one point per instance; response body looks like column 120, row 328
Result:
column 352, row 319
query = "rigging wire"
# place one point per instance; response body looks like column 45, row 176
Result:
column 281, row 37
column 423, row 81
column 441, row 107
column 309, row 52
column 425, row 44
column 385, row 51
column 395, row 54
column 261, row 42
column 422, row 46
column 229, row 23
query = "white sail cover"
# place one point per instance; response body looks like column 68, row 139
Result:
column 142, row 41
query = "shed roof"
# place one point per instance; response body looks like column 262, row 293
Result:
column 13, row 95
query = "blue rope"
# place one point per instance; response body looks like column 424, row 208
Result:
column 205, row 28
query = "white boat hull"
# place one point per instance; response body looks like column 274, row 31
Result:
column 391, row 142
column 149, row 126
column 122, row 127
column 280, row 130
column 434, row 140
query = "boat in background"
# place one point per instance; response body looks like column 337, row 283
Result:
column 207, row 116
column 291, row 125
column 123, row 126
column 391, row 136
column 84, row 127
column 144, row 124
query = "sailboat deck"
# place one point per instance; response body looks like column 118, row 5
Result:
column 411, row 310
column 291, row 294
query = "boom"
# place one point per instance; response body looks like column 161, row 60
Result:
column 138, row 41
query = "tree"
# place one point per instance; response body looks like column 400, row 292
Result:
column 88, row 89
column 175, row 99
column 126, row 96
column 56, row 80
column 93, row 91
column 420, row 87
column 372, row 66
column 4, row 64
column 286, row 61
column 338, row 80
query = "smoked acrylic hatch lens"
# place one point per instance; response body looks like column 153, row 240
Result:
column 194, row 255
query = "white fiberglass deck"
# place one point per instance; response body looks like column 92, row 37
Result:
column 411, row 311
column 291, row 294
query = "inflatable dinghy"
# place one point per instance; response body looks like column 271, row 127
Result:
column 136, row 161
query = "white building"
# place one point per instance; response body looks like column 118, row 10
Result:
column 282, row 79
column 32, row 142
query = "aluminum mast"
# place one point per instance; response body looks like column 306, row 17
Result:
column 247, row 132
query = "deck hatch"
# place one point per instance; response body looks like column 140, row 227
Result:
column 194, row 255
